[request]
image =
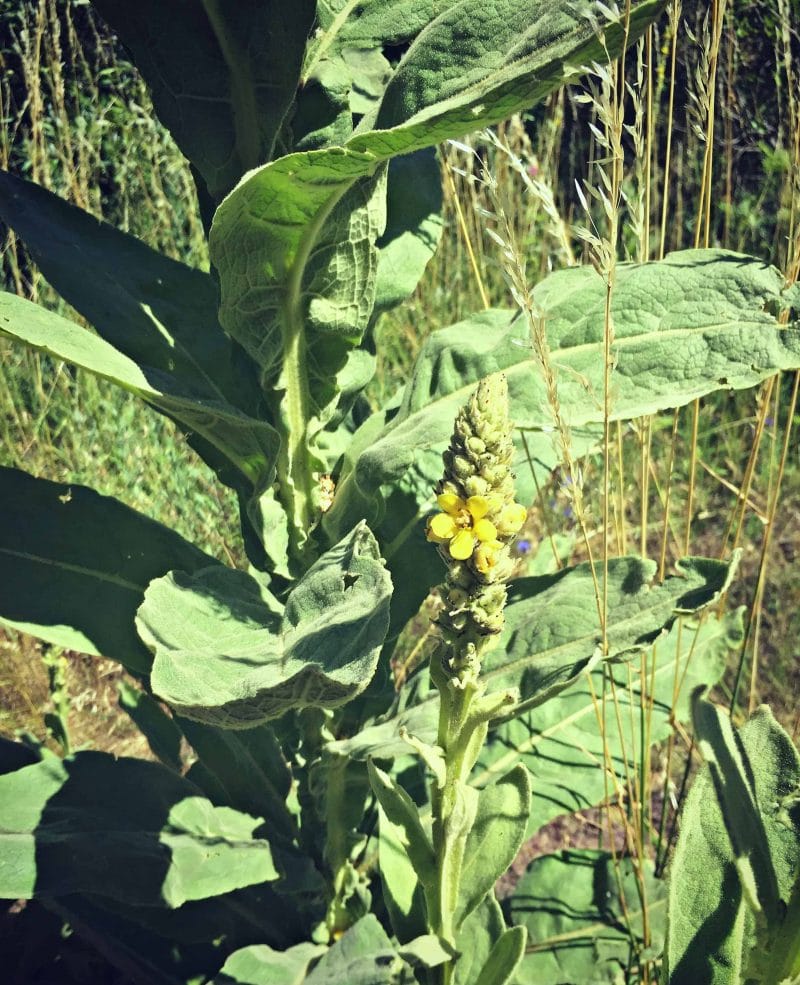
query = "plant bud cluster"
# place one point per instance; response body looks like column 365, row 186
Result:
column 478, row 520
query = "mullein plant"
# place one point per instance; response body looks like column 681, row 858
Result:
column 478, row 519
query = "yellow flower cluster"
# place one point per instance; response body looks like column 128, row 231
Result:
column 475, row 528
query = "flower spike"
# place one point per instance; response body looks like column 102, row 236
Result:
column 478, row 520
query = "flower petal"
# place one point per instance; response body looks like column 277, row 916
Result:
column 450, row 503
column 442, row 527
column 461, row 545
column 485, row 530
column 478, row 506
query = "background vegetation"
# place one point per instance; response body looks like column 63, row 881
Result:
column 712, row 141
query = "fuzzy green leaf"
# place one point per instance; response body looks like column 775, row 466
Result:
column 221, row 80
column 160, row 729
column 551, row 637
column 364, row 955
column 413, row 226
column 561, row 741
column 261, row 965
column 74, row 565
column 160, row 313
column 427, row 951
column 580, row 928
column 695, row 322
column 159, row 338
column 552, row 632
column 504, row 958
column 227, row 654
column 729, row 772
column 714, row 937
column 294, row 243
column 122, row 828
column 479, row 934
column 404, row 814
column 248, row 444
column 367, row 24
column 402, row 892
column 494, row 838
column 249, row 772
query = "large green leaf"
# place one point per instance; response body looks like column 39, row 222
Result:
column 366, row 24
column 402, row 891
column 74, row 565
column 276, row 239
column 494, row 838
column 250, row 771
column 248, row 444
column 552, row 633
column 413, row 226
column 222, row 79
column 122, row 828
column 159, row 728
column 504, row 958
column 738, row 851
column 584, row 916
column 160, row 313
column 227, row 653
column 478, row 936
column 562, row 743
column 364, row 955
column 695, row 322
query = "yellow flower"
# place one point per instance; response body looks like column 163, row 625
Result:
column 462, row 524
column 511, row 519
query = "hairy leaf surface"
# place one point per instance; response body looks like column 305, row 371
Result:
column 222, row 78
column 494, row 838
column 584, row 920
column 732, row 857
column 269, row 233
column 552, row 633
column 246, row 443
column 261, row 965
column 551, row 638
column 226, row 652
column 364, row 955
column 563, row 745
column 695, row 322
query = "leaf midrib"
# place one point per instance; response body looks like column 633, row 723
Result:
column 527, row 366
column 75, row 569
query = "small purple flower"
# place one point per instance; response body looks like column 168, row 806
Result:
column 523, row 546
